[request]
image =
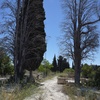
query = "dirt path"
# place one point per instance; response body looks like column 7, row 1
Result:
column 50, row 91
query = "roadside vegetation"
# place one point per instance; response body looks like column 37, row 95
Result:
column 89, row 88
column 11, row 91
column 19, row 94
column 85, row 91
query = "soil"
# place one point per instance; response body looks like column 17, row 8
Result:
column 50, row 90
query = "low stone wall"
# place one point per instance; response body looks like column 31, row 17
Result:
column 61, row 80
column 70, row 82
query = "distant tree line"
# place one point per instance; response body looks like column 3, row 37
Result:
column 59, row 64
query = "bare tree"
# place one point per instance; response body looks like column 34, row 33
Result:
column 81, row 37
column 7, row 24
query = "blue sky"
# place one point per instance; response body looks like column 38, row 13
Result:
column 54, row 17
column 52, row 27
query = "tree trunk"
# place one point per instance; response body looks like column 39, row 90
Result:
column 77, row 55
column 31, row 78
column 30, row 74
column 77, row 71
column 77, row 60
column 16, row 43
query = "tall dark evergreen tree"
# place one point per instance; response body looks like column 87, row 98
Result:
column 65, row 64
column 31, row 36
column 62, row 64
column 60, row 60
column 73, row 66
column 28, row 34
column 54, row 63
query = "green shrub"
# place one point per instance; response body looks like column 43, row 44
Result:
column 68, row 70
column 97, row 78
column 87, row 71
column 45, row 67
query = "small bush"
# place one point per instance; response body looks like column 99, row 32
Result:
column 87, row 71
column 68, row 70
column 97, row 78
column 94, row 78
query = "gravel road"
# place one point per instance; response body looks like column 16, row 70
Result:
column 50, row 90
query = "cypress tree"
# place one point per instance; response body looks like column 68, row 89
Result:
column 62, row 64
column 54, row 63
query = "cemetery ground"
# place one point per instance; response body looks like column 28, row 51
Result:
column 56, row 86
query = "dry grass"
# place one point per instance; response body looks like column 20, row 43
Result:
column 71, row 91
column 18, row 94
column 7, row 96
column 24, row 92
column 76, row 93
